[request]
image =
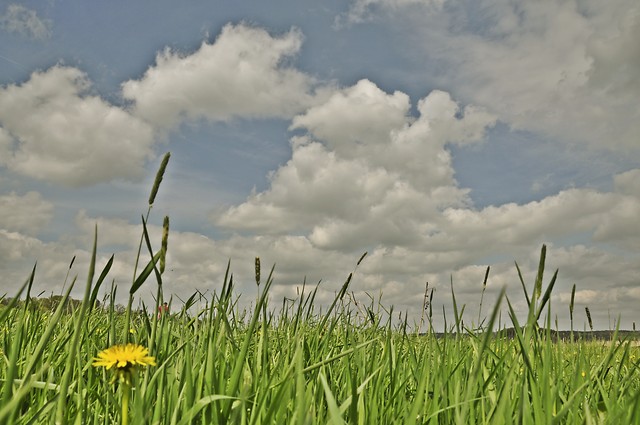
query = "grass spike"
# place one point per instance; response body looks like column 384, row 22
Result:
column 164, row 243
column 158, row 179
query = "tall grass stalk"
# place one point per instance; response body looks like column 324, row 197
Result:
column 152, row 198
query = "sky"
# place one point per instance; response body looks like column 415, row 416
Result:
column 438, row 136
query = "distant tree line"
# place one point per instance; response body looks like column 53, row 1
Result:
column 52, row 302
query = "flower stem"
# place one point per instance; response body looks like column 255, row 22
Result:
column 126, row 392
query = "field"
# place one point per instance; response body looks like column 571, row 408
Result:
column 295, row 366
column 218, row 364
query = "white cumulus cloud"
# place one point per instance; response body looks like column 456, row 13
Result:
column 243, row 73
column 376, row 175
column 54, row 129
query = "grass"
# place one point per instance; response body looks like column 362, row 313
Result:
column 218, row 364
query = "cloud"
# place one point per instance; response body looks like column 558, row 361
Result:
column 112, row 231
column 613, row 48
column 198, row 263
column 566, row 70
column 619, row 226
column 243, row 73
column 376, row 175
column 6, row 146
column 14, row 246
column 28, row 213
column 346, row 119
column 364, row 123
column 627, row 182
column 53, row 129
column 568, row 212
column 20, row 252
column 364, row 10
column 369, row 176
column 25, row 22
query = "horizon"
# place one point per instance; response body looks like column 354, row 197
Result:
column 439, row 137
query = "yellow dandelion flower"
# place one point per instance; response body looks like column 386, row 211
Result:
column 124, row 357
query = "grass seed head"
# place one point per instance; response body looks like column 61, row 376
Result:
column 589, row 318
column 158, row 180
column 165, row 241
column 258, row 271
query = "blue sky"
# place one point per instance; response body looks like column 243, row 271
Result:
column 439, row 136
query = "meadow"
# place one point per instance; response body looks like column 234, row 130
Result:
column 211, row 362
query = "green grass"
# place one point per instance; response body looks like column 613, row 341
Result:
column 223, row 365
column 218, row 364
